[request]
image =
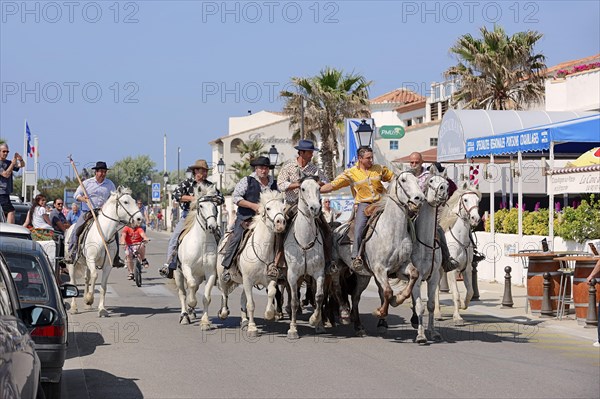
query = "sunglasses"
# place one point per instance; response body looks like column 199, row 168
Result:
column 5, row 152
column 59, row 203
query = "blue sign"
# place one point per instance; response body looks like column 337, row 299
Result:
column 508, row 143
column 155, row 186
column 155, row 196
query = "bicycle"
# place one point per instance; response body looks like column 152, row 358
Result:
column 137, row 269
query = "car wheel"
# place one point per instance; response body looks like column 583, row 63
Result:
column 52, row 390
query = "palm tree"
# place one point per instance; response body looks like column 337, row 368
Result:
column 498, row 71
column 331, row 96
column 248, row 151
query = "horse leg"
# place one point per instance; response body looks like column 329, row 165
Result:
column 361, row 284
column 180, row 283
column 71, row 267
column 293, row 283
column 270, row 310
column 413, row 275
column 437, row 312
column 279, row 301
column 192, row 289
column 90, row 286
column 102, row 312
column 419, row 310
column 288, row 308
column 467, row 276
column 433, row 286
column 243, row 311
column 250, row 306
column 341, row 298
column 387, row 294
column 316, row 319
column 455, row 297
column 205, row 321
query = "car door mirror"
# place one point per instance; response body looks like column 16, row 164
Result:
column 69, row 291
column 38, row 316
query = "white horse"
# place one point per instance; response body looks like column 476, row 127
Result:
column 303, row 248
column 253, row 260
column 426, row 254
column 388, row 251
column 197, row 254
column 120, row 208
column 458, row 217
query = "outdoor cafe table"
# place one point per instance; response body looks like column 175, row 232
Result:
column 540, row 263
column 583, row 267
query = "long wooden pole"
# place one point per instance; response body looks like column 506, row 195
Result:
column 89, row 203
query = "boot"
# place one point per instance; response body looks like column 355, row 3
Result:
column 449, row 264
column 117, row 262
column 477, row 256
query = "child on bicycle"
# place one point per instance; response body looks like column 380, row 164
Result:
column 134, row 238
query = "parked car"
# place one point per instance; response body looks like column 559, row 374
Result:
column 20, row 366
column 21, row 209
column 17, row 229
column 36, row 285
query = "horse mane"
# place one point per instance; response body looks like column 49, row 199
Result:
column 449, row 213
column 265, row 197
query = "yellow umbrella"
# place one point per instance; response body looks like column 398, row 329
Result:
column 591, row 157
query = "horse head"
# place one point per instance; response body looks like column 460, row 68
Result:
column 405, row 188
column 272, row 210
column 309, row 201
column 206, row 208
column 436, row 189
column 126, row 209
column 468, row 207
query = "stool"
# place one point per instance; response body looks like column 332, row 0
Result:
column 567, row 269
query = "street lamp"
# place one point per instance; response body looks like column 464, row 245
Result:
column 273, row 155
column 364, row 133
column 221, row 170
column 149, row 184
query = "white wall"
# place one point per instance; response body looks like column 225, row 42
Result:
column 577, row 92
column 239, row 124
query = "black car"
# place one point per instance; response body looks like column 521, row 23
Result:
column 21, row 209
column 36, row 285
column 19, row 363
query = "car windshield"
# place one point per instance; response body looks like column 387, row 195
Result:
column 29, row 278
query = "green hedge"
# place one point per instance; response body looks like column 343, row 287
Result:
column 580, row 224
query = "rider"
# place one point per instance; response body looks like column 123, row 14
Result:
column 289, row 181
column 184, row 194
column 246, row 196
column 132, row 239
column 98, row 188
column 422, row 174
column 365, row 180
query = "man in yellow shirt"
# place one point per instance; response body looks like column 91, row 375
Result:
column 365, row 180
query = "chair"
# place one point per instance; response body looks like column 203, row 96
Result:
column 567, row 270
column 525, row 263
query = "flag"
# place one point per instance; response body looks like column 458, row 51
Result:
column 30, row 149
column 351, row 145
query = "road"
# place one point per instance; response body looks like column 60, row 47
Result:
column 142, row 351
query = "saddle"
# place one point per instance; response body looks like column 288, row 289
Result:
column 342, row 232
column 228, row 236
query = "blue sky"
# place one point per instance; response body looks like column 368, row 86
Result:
column 103, row 80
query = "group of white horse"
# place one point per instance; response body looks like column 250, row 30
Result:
column 396, row 249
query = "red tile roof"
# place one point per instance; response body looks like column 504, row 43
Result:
column 570, row 64
column 399, row 96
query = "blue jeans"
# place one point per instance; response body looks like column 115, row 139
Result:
column 73, row 238
column 173, row 242
column 360, row 221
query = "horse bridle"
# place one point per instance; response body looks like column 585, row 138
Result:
column 206, row 219
column 398, row 202
column 118, row 202
column 438, row 190
column 463, row 206
column 265, row 216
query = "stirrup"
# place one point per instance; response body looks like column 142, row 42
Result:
column 273, row 271
column 357, row 264
column 226, row 276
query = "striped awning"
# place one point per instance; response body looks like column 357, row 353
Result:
column 580, row 169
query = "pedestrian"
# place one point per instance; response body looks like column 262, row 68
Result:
column 74, row 213
column 6, row 180
column 329, row 213
column 596, row 274
column 57, row 218
column 366, row 179
column 288, row 182
column 184, row 194
column 98, row 189
column 133, row 239
column 246, row 196
column 174, row 215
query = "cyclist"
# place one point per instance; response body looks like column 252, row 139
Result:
column 133, row 239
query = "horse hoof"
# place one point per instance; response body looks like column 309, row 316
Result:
column 312, row 321
column 223, row 313
column 269, row 315
column 73, row 311
column 361, row 333
column 292, row 335
column 436, row 337
column 414, row 322
column 459, row 322
column 345, row 321
column 288, row 310
column 279, row 316
column 252, row 334
column 102, row 313
column 320, row 329
column 205, row 327
column 421, row 340
column 438, row 317
column 184, row 319
column 244, row 324
column 328, row 324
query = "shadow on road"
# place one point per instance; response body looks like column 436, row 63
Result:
column 100, row 384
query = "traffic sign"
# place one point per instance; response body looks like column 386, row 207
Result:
column 156, row 187
column 156, row 195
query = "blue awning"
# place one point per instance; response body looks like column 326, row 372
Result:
column 579, row 130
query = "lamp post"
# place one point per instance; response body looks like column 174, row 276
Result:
column 149, row 184
column 166, row 179
column 273, row 155
column 364, row 133
column 178, row 152
column 221, row 170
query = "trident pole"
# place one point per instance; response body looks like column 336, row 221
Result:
column 89, row 203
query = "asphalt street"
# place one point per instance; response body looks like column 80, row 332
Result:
column 141, row 350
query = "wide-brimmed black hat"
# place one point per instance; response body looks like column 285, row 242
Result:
column 100, row 165
column 262, row 161
column 306, row 145
column 439, row 167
